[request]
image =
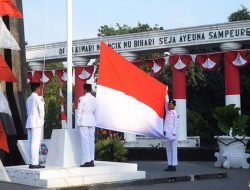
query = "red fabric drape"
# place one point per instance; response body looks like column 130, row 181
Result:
column 40, row 76
column 62, row 75
column 5, row 72
column 238, row 58
column 180, row 62
column 8, row 8
column 208, row 62
column 3, row 140
column 155, row 65
column 179, row 84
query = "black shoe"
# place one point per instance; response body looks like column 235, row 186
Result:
column 36, row 166
column 170, row 169
column 87, row 164
column 92, row 163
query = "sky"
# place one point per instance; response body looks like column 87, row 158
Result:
column 45, row 20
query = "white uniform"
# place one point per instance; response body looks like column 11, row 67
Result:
column 86, row 123
column 170, row 126
column 34, row 124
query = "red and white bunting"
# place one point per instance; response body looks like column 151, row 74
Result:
column 84, row 73
column 208, row 62
column 155, row 65
column 39, row 76
column 238, row 58
column 180, row 62
column 62, row 75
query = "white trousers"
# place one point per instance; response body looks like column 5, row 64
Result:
column 88, row 143
column 34, row 141
column 171, row 149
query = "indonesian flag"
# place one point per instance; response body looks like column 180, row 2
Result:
column 5, row 72
column 8, row 8
column 128, row 100
column 7, row 41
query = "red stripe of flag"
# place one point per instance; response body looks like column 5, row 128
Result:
column 119, row 74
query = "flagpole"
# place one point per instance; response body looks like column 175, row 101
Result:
column 69, row 65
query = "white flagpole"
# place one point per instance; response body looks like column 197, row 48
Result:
column 69, row 65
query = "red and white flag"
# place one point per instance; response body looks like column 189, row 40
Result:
column 7, row 41
column 128, row 100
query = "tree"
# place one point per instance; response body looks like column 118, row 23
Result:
column 125, row 29
column 51, row 99
column 240, row 14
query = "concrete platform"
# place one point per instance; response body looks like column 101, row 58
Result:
column 52, row 177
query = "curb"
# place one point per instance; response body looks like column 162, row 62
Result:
column 149, row 181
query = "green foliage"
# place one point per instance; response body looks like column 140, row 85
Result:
column 195, row 76
column 52, row 117
column 198, row 126
column 52, row 106
column 228, row 118
column 240, row 14
column 125, row 29
column 110, row 149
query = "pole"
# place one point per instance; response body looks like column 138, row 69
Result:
column 69, row 65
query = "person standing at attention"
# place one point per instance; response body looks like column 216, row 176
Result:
column 170, row 128
column 34, row 124
column 86, row 124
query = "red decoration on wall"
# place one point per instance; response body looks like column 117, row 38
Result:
column 180, row 62
column 84, row 73
column 238, row 58
column 155, row 65
column 62, row 75
column 208, row 62
column 39, row 76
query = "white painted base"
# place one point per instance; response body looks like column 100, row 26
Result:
column 233, row 99
column 181, row 108
column 23, row 149
column 51, row 177
column 232, row 155
column 3, row 174
column 147, row 142
column 64, row 149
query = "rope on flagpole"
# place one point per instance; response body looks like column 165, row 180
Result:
column 45, row 40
